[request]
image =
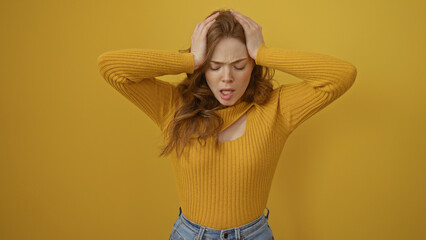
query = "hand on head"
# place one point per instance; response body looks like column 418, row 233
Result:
column 199, row 40
column 252, row 31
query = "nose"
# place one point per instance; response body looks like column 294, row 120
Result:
column 227, row 75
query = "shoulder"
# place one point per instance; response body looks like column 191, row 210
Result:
column 274, row 97
column 272, row 104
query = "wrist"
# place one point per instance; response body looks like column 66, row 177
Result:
column 259, row 52
column 197, row 62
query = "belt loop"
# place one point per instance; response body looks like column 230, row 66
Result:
column 200, row 234
column 267, row 215
column 237, row 234
column 180, row 211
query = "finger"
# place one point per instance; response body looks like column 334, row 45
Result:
column 246, row 25
column 248, row 20
column 235, row 13
column 207, row 27
column 196, row 28
column 200, row 26
column 211, row 17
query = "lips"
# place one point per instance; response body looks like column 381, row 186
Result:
column 226, row 93
column 227, row 90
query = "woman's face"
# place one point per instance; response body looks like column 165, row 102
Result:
column 229, row 71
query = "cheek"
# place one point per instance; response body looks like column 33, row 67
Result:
column 247, row 75
column 210, row 80
column 246, row 78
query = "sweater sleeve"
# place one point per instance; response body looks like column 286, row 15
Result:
column 133, row 72
column 325, row 79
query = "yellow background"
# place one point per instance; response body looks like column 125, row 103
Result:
column 79, row 161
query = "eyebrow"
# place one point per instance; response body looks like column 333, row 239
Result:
column 239, row 60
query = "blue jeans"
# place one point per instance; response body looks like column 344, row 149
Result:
column 185, row 229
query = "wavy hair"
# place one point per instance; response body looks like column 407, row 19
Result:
column 196, row 118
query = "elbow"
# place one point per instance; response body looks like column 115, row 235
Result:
column 105, row 67
column 352, row 73
column 348, row 77
column 110, row 69
column 345, row 79
column 102, row 61
column 101, row 64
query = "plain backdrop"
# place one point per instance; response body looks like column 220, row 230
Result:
column 79, row 161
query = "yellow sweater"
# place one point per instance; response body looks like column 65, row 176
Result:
column 229, row 186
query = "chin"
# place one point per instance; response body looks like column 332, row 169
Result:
column 227, row 103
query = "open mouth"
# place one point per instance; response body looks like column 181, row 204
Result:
column 226, row 94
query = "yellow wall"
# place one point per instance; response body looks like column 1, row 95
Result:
column 79, row 161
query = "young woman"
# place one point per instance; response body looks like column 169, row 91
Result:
column 224, row 125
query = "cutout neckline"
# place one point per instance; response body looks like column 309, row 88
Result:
column 233, row 114
column 234, row 131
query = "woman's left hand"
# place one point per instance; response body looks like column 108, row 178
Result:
column 252, row 31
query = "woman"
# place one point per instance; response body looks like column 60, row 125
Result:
column 224, row 125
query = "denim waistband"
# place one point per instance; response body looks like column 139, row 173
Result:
column 243, row 230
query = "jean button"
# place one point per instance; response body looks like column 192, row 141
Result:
column 225, row 235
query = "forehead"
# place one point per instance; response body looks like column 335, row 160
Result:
column 229, row 49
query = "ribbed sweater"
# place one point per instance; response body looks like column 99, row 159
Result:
column 228, row 186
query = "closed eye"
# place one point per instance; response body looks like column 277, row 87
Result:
column 237, row 68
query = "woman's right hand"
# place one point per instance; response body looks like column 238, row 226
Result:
column 199, row 40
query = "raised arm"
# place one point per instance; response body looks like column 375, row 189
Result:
column 325, row 79
column 134, row 65
column 132, row 72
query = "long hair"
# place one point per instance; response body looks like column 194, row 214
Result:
column 196, row 118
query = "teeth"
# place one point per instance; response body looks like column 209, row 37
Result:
column 226, row 92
